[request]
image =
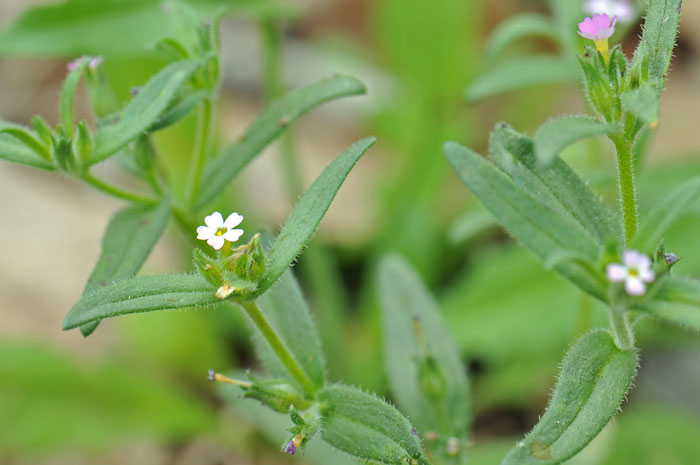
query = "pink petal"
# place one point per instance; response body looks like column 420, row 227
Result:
column 233, row 235
column 588, row 29
column 635, row 286
column 233, row 220
column 601, row 22
column 616, row 272
column 216, row 241
column 214, row 221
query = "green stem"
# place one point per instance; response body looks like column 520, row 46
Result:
column 201, row 149
column 628, row 194
column 253, row 311
column 621, row 329
column 115, row 191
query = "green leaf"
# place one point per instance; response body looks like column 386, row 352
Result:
column 520, row 73
column 471, row 224
column 414, row 331
column 555, row 135
column 554, row 184
column 129, row 238
column 659, row 38
column 144, row 294
column 537, row 225
column 287, row 312
column 517, row 28
column 304, row 220
column 179, row 109
column 665, row 213
column 367, row 428
column 144, row 110
column 643, row 103
column 21, row 145
column 594, row 380
column 675, row 299
column 225, row 167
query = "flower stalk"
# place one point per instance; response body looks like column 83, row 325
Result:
column 626, row 184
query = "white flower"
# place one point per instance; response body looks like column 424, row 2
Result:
column 634, row 272
column 620, row 8
column 217, row 231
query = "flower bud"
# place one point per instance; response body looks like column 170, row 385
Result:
column 431, row 378
column 63, row 152
column 208, row 267
column 83, row 143
column 277, row 394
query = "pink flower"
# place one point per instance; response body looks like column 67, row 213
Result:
column 635, row 271
column 93, row 64
column 597, row 28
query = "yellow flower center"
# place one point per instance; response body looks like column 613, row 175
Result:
column 221, row 231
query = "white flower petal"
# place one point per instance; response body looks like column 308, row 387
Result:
column 214, row 221
column 204, row 232
column 647, row 274
column 616, row 272
column 635, row 286
column 634, row 259
column 216, row 241
column 233, row 235
column 233, row 220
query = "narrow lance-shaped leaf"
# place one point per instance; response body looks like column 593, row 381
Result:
column 517, row 28
column 665, row 213
column 520, row 73
column 594, row 380
column 144, row 294
column 659, row 38
column 555, row 184
column 555, row 135
column 225, row 167
column 287, row 312
column 304, row 220
column 129, row 238
column 144, row 110
column 539, row 227
column 19, row 145
column 423, row 364
column 367, row 428
column 676, row 300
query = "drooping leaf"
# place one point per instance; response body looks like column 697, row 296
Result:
column 665, row 213
column 470, row 225
column 304, row 220
column 517, row 28
column 555, row 135
column 367, row 428
column 520, row 73
column 129, row 238
column 554, row 184
column 286, row 310
column 539, row 227
column 144, row 110
column 225, row 167
column 659, row 38
column 423, row 364
column 643, row 103
column 594, row 380
column 675, row 299
column 144, row 294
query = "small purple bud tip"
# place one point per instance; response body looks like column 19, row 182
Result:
column 291, row 448
column 670, row 258
column 134, row 91
column 211, row 375
column 414, row 431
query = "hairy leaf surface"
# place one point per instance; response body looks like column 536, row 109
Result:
column 676, row 300
column 304, row 220
column 144, row 294
column 368, row 428
column 555, row 135
column 594, row 379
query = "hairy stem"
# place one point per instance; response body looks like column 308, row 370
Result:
column 621, row 329
column 201, row 149
column 628, row 194
column 115, row 191
column 253, row 311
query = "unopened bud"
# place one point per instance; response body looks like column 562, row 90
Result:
column 83, row 144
